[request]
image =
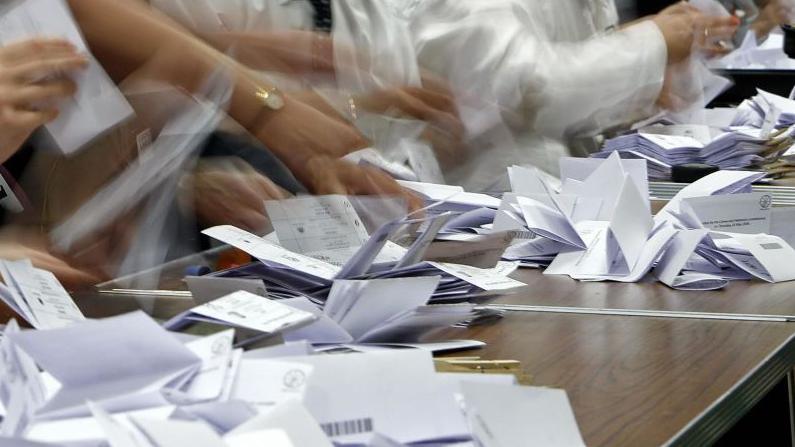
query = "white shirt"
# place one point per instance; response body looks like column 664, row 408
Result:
column 556, row 69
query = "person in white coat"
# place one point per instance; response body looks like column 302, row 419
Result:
column 555, row 70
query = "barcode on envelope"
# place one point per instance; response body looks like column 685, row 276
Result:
column 772, row 246
column 344, row 428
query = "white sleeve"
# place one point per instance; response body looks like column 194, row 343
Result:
column 599, row 83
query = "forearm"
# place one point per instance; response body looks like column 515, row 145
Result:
column 126, row 36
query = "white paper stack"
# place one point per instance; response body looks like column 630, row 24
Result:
column 735, row 149
column 601, row 229
column 125, row 382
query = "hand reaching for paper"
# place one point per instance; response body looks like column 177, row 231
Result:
column 228, row 191
column 15, row 245
column 31, row 84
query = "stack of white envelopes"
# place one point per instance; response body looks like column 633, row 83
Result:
column 126, row 382
column 601, row 229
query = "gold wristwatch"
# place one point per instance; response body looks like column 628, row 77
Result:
column 271, row 97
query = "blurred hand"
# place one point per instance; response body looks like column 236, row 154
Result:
column 71, row 277
column 685, row 28
column 716, row 34
column 32, row 82
column 231, row 192
column 435, row 108
column 333, row 176
column 677, row 24
column 299, row 130
column 775, row 13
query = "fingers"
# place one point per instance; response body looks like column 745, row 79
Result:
column 268, row 189
column 26, row 120
column 44, row 68
column 69, row 276
column 32, row 49
column 38, row 93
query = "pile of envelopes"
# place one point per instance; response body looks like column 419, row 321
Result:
column 736, row 148
column 127, row 382
column 601, row 228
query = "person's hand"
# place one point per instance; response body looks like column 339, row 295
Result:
column 433, row 107
column 299, row 131
column 677, row 25
column 327, row 175
column 230, row 192
column 775, row 13
column 71, row 277
column 32, row 82
column 715, row 34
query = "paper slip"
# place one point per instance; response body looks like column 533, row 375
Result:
column 246, row 310
column 678, row 253
column 481, row 251
column 271, row 438
column 361, row 306
column 271, row 253
column 292, row 417
column 416, row 253
column 486, row 279
column 341, row 391
column 735, row 213
column 38, row 296
column 135, row 357
column 775, row 256
column 98, row 105
column 21, row 389
column 216, row 353
column 207, row 288
column 96, row 425
column 572, row 168
column 631, row 223
column 498, row 415
column 320, row 223
column 174, row 433
column 265, row 383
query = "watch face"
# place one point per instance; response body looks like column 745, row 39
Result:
column 274, row 101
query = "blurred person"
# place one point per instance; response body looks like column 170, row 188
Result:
column 125, row 36
column 32, row 83
column 557, row 70
column 353, row 60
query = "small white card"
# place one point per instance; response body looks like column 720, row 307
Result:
column 734, row 213
column 246, row 310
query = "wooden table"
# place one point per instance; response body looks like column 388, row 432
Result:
column 739, row 297
column 632, row 381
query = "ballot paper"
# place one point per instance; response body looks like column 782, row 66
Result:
column 451, row 198
column 717, row 183
column 736, row 213
column 133, row 355
column 246, row 310
column 98, row 105
column 354, row 395
column 683, row 247
column 579, row 169
column 476, row 250
column 22, row 391
column 377, row 311
column 37, row 296
column 208, row 288
column 493, row 426
column 292, row 417
column 317, row 226
column 768, row 257
column 265, row 383
column 493, row 279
